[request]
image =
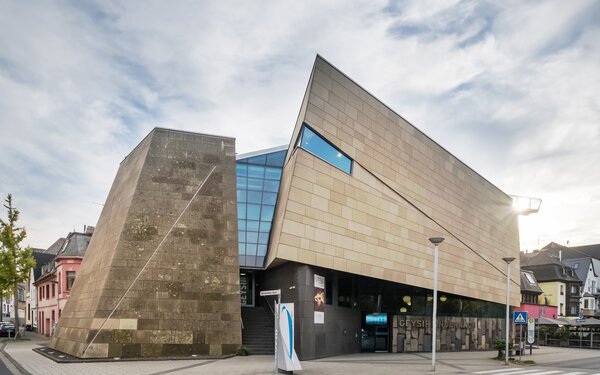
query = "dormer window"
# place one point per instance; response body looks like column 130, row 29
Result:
column 530, row 278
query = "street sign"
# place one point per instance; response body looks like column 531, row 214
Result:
column 520, row 317
column 274, row 292
column 531, row 324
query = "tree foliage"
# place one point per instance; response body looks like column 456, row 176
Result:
column 16, row 261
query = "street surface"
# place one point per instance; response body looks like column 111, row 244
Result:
column 551, row 361
column 536, row 371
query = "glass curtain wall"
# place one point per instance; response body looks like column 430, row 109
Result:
column 258, row 180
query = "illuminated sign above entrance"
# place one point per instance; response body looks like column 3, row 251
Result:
column 376, row 319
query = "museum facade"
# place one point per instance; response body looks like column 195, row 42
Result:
column 338, row 220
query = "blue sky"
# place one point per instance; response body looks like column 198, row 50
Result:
column 511, row 88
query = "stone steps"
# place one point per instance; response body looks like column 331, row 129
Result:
column 258, row 332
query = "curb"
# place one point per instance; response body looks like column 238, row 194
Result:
column 16, row 364
column 60, row 357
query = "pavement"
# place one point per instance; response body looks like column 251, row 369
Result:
column 20, row 359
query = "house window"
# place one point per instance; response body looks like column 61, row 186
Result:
column 573, row 310
column 47, row 291
column 562, row 290
column 530, row 278
column 529, row 298
column 53, row 290
column 318, row 146
column 561, row 310
column 70, row 279
column 585, row 304
column 574, row 289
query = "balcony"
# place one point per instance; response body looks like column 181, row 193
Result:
column 589, row 312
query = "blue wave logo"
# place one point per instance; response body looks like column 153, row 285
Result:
column 290, row 330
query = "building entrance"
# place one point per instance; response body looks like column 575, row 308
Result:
column 375, row 333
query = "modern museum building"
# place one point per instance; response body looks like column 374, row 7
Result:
column 339, row 220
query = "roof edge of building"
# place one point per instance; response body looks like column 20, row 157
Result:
column 158, row 128
column 261, row 152
column 411, row 124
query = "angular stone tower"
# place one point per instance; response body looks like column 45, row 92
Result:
column 161, row 275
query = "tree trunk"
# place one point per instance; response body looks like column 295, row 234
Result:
column 16, row 304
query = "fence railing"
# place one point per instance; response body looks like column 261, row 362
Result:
column 590, row 340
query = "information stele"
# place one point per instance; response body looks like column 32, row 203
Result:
column 530, row 330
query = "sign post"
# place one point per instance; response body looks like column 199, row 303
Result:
column 275, row 292
column 520, row 318
column 580, row 321
column 530, row 334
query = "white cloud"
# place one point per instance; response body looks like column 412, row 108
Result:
column 507, row 91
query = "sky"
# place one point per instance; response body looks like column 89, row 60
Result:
column 511, row 88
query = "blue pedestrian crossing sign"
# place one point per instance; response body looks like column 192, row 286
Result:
column 520, row 317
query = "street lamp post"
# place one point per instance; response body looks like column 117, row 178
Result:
column 436, row 241
column 508, row 261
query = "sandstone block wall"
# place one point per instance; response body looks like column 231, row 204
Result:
column 403, row 189
column 161, row 273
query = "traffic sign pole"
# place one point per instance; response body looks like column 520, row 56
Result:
column 277, row 293
column 520, row 342
column 520, row 318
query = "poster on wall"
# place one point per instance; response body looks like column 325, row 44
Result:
column 319, row 299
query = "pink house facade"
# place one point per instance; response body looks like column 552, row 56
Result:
column 539, row 311
column 56, row 281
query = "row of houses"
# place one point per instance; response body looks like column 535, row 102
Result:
column 560, row 281
column 52, row 279
column 556, row 281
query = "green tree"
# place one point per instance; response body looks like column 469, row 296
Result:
column 16, row 261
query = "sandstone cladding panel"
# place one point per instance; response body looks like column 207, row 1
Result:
column 403, row 189
column 161, row 274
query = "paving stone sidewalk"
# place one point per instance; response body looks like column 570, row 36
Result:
column 24, row 361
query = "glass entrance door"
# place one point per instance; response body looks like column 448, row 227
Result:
column 375, row 333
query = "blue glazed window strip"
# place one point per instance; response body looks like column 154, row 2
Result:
column 318, row 146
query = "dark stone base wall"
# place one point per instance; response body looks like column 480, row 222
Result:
column 340, row 334
column 413, row 333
